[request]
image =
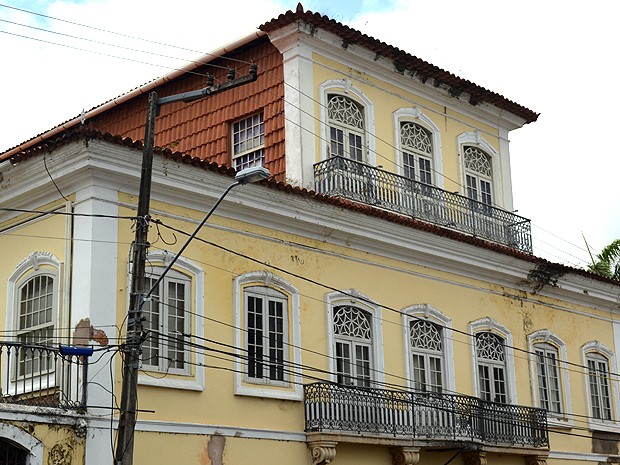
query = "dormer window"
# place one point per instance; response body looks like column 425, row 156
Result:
column 248, row 142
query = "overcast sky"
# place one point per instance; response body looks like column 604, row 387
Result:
column 558, row 58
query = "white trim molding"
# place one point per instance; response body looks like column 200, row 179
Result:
column 193, row 381
column 488, row 324
column 32, row 445
column 415, row 115
column 563, row 419
column 346, row 88
column 357, row 299
column 430, row 313
column 596, row 347
column 291, row 389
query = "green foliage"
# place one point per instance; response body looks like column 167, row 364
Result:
column 607, row 263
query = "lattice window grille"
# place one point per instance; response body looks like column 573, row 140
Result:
column 353, row 322
column 345, row 111
column 478, row 161
column 425, row 335
column 490, row 346
column 415, row 137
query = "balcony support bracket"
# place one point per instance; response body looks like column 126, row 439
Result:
column 323, row 452
column 536, row 460
column 405, row 455
column 475, row 458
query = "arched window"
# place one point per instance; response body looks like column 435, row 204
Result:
column 352, row 345
column 167, row 322
column 601, row 394
column 478, row 174
column 346, row 127
column 10, row 454
column 491, row 367
column 266, row 311
column 267, row 336
column 417, row 151
column 34, row 299
column 428, row 342
column 550, row 388
column 548, row 377
column 172, row 320
column 427, row 353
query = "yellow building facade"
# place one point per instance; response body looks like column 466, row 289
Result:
column 378, row 305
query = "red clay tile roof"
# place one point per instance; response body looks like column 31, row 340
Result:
column 402, row 61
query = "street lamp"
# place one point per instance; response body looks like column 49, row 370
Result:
column 246, row 176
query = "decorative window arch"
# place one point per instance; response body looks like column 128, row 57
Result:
column 479, row 165
column 418, row 147
column 267, row 336
column 493, row 361
column 602, row 393
column 347, row 118
column 19, row 440
column 174, row 311
column 33, row 298
column 355, row 339
column 549, row 377
column 428, row 345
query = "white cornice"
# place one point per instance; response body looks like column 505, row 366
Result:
column 382, row 69
column 118, row 167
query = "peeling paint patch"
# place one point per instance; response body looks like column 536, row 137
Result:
column 84, row 333
column 215, row 449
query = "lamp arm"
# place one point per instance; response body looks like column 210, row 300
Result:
column 182, row 249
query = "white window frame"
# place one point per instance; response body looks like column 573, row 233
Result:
column 429, row 313
column 544, row 336
column 475, row 139
column 267, row 295
column 36, row 264
column 257, row 150
column 490, row 325
column 354, row 298
column 291, row 388
column 345, row 88
column 193, row 379
column 415, row 115
column 595, row 349
column 163, row 364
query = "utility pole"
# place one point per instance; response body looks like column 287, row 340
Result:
column 133, row 342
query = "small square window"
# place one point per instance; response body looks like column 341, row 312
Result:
column 248, row 136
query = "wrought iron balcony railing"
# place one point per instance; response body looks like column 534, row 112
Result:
column 357, row 181
column 41, row 376
column 334, row 408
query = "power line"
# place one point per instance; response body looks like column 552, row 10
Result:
column 240, row 61
column 345, row 293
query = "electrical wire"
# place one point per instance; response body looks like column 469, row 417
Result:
column 348, row 294
column 232, row 59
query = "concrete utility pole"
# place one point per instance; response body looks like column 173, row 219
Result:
column 133, row 343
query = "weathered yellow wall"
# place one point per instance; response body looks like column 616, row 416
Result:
column 386, row 99
column 391, row 283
